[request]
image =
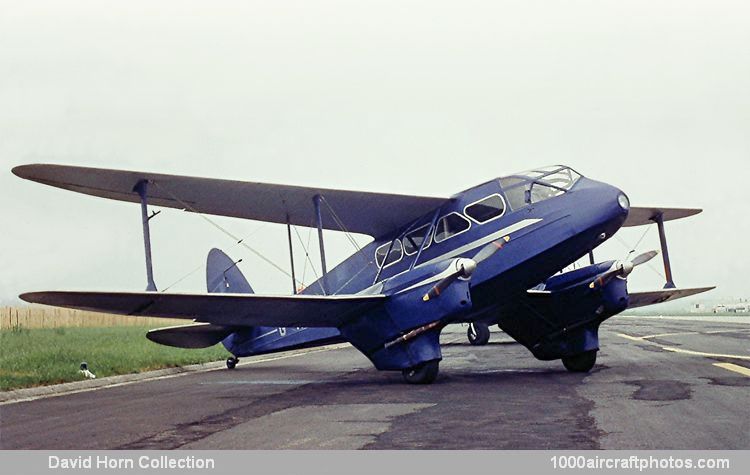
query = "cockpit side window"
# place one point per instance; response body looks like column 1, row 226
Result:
column 394, row 255
column 413, row 240
column 451, row 225
column 541, row 192
column 538, row 185
column 486, row 209
column 515, row 191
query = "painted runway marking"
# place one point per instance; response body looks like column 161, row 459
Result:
column 733, row 367
column 657, row 335
column 701, row 353
column 661, row 335
column 630, row 337
column 686, row 352
column 159, row 378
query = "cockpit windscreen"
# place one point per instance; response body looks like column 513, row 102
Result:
column 537, row 185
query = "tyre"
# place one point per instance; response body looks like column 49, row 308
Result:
column 478, row 333
column 580, row 363
column 424, row 373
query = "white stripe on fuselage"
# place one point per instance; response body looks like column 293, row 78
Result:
column 524, row 223
column 468, row 247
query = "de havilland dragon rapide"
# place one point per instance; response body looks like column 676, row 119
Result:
column 495, row 254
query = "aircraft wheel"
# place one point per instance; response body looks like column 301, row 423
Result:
column 232, row 362
column 424, row 373
column 580, row 363
column 478, row 333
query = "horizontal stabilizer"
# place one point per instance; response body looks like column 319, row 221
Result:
column 642, row 299
column 640, row 216
column 220, row 309
column 197, row 335
column 375, row 214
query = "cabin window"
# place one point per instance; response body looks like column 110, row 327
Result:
column 451, row 225
column 413, row 240
column 394, row 256
column 486, row 209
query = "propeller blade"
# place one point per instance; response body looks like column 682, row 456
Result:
column 622, row 269
column 604, row 279
column 487, row 251
column 438, row 288
column 462, row 268
column 643, row 258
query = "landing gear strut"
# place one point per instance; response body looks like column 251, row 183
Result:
column 478, row 333
column 580, row 363
column 424, row 373
column 232, row 362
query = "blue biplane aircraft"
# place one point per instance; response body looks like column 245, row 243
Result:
column 492, row 254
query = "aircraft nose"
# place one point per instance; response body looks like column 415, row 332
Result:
column 607, row 206
column 615, row 209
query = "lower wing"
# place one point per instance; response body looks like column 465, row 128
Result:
column 642, row 299
column 219, row 309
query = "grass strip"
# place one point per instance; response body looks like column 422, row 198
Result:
column 38, row 357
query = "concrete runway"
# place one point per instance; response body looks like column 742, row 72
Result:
column 659, row 383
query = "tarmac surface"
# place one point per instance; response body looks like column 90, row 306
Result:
column 659, row 383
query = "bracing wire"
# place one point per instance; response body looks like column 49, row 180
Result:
column 200, row 266
column 305, row 247
column 307, row 257
column 237, row 240
column 632, row 250
column 341, row 225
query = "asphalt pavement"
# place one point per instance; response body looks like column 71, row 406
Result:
column 659, row 383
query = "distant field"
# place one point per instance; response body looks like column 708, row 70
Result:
column 37, row 316
column 653, row 313
column 42, row 356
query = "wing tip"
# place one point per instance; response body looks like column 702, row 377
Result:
column 35, row 297
column 22, row 171
column 33, row 171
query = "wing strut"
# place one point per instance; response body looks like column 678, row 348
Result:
column 659, row 219
column 319, row 218
column 142, row 189
column 291, row 254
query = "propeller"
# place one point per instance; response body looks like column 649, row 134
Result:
column 622, row 269
column 459, row 269
column 463, row 268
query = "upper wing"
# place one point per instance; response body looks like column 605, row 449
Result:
column 375, row 214
column 641, row 299
column 219, row 309
column 638, row 216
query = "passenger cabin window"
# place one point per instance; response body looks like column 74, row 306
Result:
column 394, row 256
column 413, row 240
column 486, row 209
column 451, row 225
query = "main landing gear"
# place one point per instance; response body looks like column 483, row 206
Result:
column 232, row 362
column 580, row 363
column 424, row 373
column 478, row 333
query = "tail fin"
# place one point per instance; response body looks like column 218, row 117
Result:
column 223, row 276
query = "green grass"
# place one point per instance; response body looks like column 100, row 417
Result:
column 37, row 357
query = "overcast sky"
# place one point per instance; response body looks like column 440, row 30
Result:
column 416, row 97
